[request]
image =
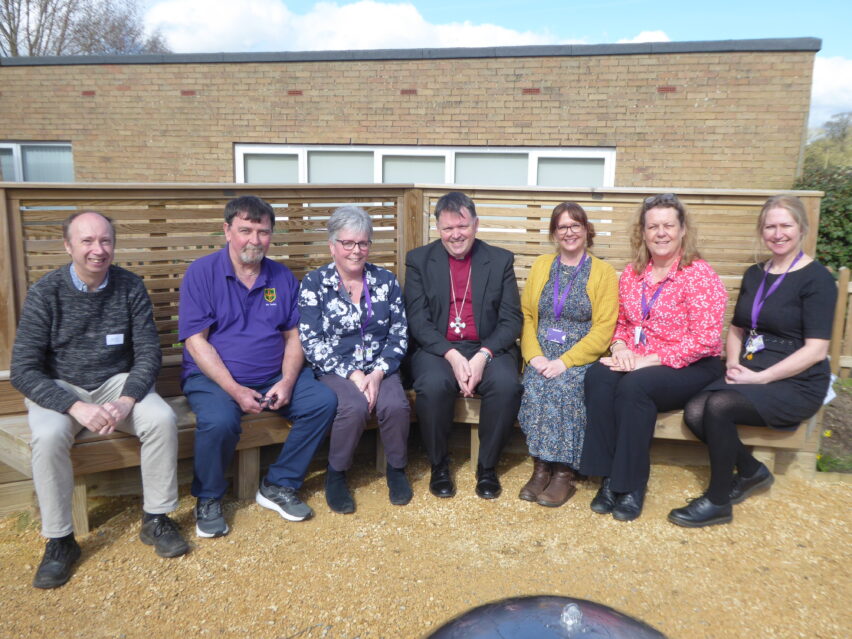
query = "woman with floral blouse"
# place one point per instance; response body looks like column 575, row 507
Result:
column 666, row 348
column 354, row 333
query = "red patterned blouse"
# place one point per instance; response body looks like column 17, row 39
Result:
column 684, row 323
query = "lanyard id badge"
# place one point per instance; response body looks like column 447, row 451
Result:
column 754, row 344
column 555, row 335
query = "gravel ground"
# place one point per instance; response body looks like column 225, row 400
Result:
column 782, row 569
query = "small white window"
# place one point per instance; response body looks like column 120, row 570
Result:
column 340, row 167
column 36, row 162
column 492, row 169
column 262, row 168
column 571, row 172
column 407, row 169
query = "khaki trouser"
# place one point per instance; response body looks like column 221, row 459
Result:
column 151, row 420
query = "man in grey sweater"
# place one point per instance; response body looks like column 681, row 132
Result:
column 86, row 355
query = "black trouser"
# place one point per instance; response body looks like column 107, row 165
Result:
column 621, row 412
column 437, row 390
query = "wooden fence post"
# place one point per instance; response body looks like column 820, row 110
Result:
column 8, row 298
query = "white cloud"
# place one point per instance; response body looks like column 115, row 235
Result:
column 206, row 26
column 647, row 36
column 832, row 89
column 267, row 25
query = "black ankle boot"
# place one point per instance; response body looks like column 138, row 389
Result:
column 337, row 494
column 399, row 488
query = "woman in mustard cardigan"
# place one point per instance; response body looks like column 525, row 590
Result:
column 570, row 304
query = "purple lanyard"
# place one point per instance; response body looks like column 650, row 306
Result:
column 559, row 300
column 646, row 305
column 760, row 298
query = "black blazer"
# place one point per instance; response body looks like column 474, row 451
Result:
column 494, row 290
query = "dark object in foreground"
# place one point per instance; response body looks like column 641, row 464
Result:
column 544, row 617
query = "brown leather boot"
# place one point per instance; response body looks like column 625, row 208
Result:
column 561, row 487
column 538, row 482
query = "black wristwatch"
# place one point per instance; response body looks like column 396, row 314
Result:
column 488, row 356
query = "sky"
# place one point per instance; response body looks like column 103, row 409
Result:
column 212, row 26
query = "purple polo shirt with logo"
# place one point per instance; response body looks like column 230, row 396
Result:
column 244, row 325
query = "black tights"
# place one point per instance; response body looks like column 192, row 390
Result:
column 713, row 417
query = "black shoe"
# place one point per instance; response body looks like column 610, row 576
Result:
column 55, row 567
column 628, row 506
column 441, row 483
column 744, row 487
column 163, row 533
column 701, row 512
column 337, row 494
column 487, row 484
column 399, row 488
column 605, row 499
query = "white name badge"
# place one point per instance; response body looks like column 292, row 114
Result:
column 115, row 339
column 637, row 335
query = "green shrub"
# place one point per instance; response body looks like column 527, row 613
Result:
column 834, row 245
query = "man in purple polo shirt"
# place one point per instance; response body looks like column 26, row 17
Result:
column 239, row 322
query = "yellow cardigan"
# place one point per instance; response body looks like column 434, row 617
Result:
column 602, row 289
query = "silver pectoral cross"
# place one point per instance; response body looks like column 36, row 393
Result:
column 458, row 325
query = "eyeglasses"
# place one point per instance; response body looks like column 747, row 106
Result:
column 564, row 229
column 657, row 200
column 349, row 245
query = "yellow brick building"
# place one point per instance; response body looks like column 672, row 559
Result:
column 721, row 114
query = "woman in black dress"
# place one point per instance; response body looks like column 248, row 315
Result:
column 777, row 372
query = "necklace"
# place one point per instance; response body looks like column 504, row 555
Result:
column 458, row 325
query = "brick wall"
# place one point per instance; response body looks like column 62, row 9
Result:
column 706, row 119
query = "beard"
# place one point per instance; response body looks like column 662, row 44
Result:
column 251, row 254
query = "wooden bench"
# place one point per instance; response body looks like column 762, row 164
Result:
column 164, row 228
column 778, row 449
column 92, row 453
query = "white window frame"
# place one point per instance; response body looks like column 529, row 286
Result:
column 447, row 152
column 18, row 159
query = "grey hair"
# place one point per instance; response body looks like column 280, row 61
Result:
column 351, row 218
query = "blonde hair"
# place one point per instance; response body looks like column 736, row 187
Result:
column 794, row 206
column 689, row 244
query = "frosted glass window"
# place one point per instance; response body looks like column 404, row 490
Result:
column 492, row 169
column 340, row 167
column 7, row 165
column 263, row 168
column 47, row 163
column 404, row 169
column 565, row 172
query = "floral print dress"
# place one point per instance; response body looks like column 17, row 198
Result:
column 553, row 411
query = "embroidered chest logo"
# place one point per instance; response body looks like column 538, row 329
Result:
column 269, row 295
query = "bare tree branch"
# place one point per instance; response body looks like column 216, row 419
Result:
column 75, row 27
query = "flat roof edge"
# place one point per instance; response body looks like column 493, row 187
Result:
column 552, row 50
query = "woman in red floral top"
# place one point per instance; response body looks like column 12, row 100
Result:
column 665, row 350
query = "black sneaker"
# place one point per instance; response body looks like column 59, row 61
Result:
column 284, row 501
column 163, row 534
column 209, row 521
column 55, row 567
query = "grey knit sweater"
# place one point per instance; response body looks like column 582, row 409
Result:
column 84, row 338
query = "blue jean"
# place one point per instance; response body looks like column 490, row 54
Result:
column 217, row 416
